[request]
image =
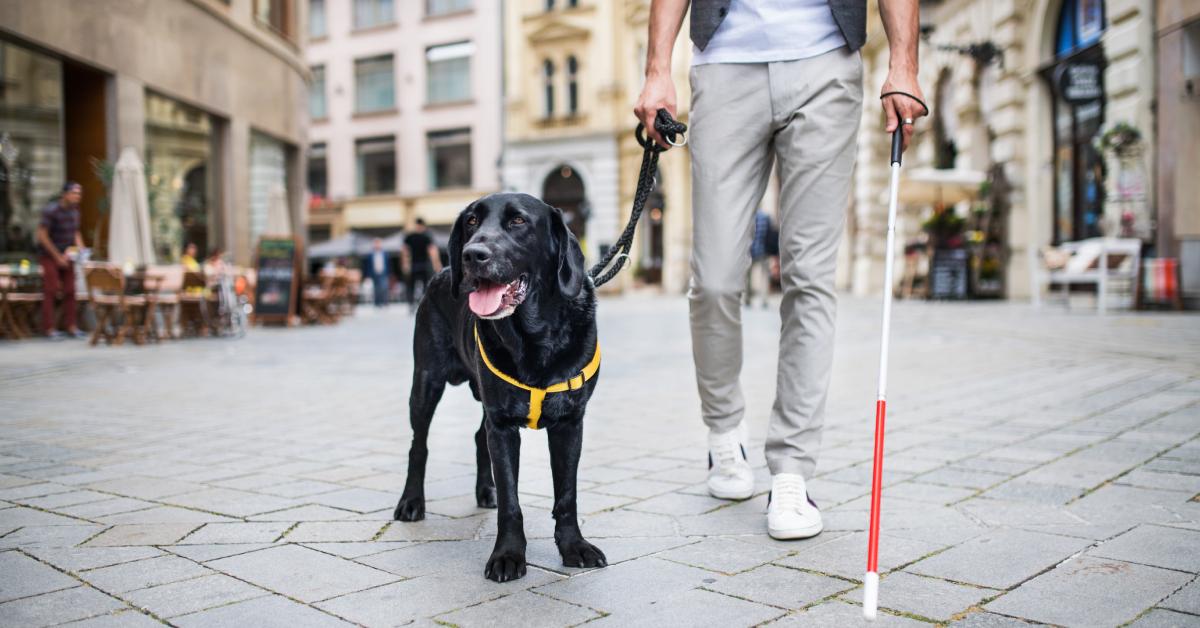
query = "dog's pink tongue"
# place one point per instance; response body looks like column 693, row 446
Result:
column 486, row 298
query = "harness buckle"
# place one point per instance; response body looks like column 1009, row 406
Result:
column 575, row 383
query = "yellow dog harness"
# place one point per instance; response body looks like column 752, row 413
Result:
column 536, row 395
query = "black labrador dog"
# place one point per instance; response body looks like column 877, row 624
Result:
column 513, row 316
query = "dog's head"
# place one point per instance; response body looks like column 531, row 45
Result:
column 505, row 247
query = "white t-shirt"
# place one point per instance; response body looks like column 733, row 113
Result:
column 761, row 31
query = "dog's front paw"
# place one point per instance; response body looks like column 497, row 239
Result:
column 505, row 565
column 410, row 509
column 580, row 553
column 485, row 496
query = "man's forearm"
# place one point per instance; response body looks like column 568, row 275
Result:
column 666, row 16
column 47, row 244
column 901, row 22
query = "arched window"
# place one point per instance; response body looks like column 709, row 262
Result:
column 1080, row 23
column 548, row 86
column 572, row 86
column 1075, row 79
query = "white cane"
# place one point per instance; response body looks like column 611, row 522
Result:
column 871, row 581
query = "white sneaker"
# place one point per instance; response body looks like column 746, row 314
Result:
column 790, row 513
column 729, row 474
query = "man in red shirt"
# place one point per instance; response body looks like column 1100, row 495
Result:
column 57, row 231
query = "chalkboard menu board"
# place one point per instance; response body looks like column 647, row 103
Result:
column 278, row 278
column 948, row 274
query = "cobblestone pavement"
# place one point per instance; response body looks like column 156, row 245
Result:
column 1042, row 467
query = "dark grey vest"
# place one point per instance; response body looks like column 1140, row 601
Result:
column 850, row 15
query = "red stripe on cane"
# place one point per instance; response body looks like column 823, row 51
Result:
column 876, row 488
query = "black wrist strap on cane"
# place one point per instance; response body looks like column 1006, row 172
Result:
column 900, row 93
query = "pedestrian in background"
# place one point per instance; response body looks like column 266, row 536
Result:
column 758, row 283
column 375, row 267
column 772, row 81
column 188, row 259
column 420, row 259
column 59, row 240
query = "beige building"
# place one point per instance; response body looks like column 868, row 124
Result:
column 406, row 112
column 573, row 71
column 210, row 93
column 1022, row 93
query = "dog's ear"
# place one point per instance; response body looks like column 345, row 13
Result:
column 571, row 272
column 456, row 246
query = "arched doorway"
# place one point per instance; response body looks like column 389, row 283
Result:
column 651, row 267
column 563, row 188
column 1074, row 79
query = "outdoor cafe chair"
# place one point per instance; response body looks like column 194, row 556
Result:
column 17, row 308
column 165, row 299
column 118, row 315
column 318, row 302
column 194, row 310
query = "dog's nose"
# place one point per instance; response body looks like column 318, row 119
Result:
column 476, row 253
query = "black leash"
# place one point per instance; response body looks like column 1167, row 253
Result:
column 668, row 127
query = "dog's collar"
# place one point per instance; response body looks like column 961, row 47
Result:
column 536, row 395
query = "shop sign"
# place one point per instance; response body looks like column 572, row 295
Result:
column 1081, row 82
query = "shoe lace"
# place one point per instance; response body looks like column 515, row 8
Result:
column 789, row 493
column 726, row 455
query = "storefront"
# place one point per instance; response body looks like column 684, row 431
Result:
column 1075, row 79
column 31, row 144
column 180, row 177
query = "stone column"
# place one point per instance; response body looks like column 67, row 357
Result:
column 126, row 111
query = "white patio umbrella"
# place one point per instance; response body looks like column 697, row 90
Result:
column 129, row 217
column 278, row 220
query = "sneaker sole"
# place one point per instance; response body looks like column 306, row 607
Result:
column 792, row 534
column 731, row 494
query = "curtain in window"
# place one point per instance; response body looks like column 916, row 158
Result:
column 376, row 161
column 448, row 72
column 450, row 159
column 268, row 171
column 368, row 13
column 316, row 18
column 316, row 93
column 374, row 83
column 442, row 7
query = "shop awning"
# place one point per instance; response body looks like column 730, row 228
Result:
column 928, row 186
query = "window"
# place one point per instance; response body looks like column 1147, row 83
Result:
column 316, row 94
column 274, row 14
column 374, row 84
column 370, row 13
column 572, row 86
column 316, row 19
column 444, row 7
column 180, row 186
column 548, row 79
column 448, row 73
column 32, row 149
column 450, row 159
column 571, row 4
column 549, row 5
column 268, row 184
column 376, row 159
column 318, row 174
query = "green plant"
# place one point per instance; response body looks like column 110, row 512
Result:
column 105, row 171
column 1122, row 139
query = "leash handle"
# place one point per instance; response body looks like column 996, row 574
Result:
column 666, row 126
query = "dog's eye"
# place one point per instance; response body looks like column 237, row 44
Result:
column 472, row 221
column 517, row 221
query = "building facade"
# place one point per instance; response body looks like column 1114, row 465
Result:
column 1031, row 100
column 573, row 72
column 211, row 94
column 405, row 103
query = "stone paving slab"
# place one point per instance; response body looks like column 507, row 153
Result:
column 1088, row 591
column 214, row 503
column 60, row 607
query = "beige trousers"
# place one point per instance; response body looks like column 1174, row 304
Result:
column 805, row 115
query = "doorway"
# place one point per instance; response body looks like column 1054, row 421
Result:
column 564, row 188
